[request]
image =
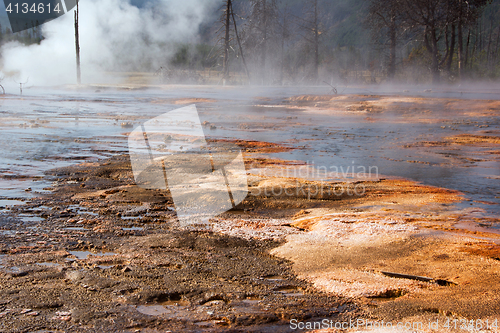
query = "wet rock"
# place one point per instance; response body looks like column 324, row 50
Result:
column 62, row 315
column 82, row 315
column 75, row 275
column 5, row 313
column 126, row 269
column 213, row 296
column 195, row 275
column 47, row 304
column 97, row 283
column 16, row 274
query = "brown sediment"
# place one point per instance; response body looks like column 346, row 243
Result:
column 255, row 146
column 462, row 139
column 262, row 163
column 469, row 139
column 328, row 248
column 483, row 250
column 335, row 248
column 344, row 254
column 143, row 271
column 184, row 101
column 427, row 144
column 345, row 250
column 226, row 272
column 345, row 103
column 414, row 109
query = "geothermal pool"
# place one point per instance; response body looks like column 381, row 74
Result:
column 44, row 129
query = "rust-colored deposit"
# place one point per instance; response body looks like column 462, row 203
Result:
column 414, row 109
column 328, row 250
column 255, row 146
column 469, row 139
column 183, row 101
column 99, row 252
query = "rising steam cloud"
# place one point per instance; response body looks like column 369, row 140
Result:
column 114, row 36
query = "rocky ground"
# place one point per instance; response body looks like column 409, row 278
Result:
column 99, row 254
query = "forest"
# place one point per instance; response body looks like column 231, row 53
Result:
column 368, row 41
column 293, row 42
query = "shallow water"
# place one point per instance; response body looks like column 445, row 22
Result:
column 133, row 229
column 48, row 129
column 49, row 264
column 350, row 144
column 84, row 254
column 10, row 203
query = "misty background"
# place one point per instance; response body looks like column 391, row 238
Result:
column 268, row 42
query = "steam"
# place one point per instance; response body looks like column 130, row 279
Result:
column 114, row 36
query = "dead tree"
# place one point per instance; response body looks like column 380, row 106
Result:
column 466, row 14
column 284, row 36
column 315, row 32
column 262, row 28
column 20, row 85
column 1, row 79
column 77, row 45
column 239, row 42
column 435, row 19
column 227, row 18
column 227, row 24
column 311, row 24
column 384, row 17
column 431, row 17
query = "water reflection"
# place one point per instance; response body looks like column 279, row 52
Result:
column 53, row 129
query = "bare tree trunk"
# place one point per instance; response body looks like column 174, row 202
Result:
column 432, row 48
column 460, row 43
column 495, row 56
column 474, row 48
column 316, row 42
column 227, row 23
column 239, row 43
column 435, row 59
column 392, row 60
column 284, row 33
column 282, row 69
column 77, row 45
column 264, row 44
column 489, row 44
column 480, row 35
column 467, row 52
column 452, row 48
